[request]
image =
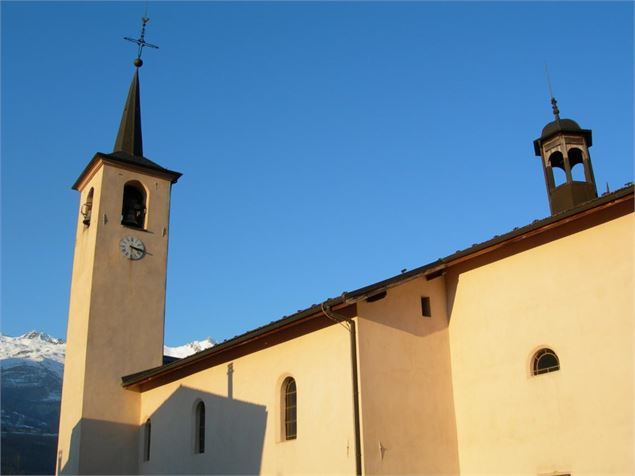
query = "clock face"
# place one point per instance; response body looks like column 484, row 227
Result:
column 132, row 247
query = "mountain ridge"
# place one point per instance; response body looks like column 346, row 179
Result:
column 32, row 366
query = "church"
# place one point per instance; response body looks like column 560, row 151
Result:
column 513, row 356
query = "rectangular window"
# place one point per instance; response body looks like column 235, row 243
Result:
column 200, row 428
column 425, row 307
column 146, row 443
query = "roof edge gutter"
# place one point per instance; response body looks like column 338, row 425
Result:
column 135, row 381
column 429, row 271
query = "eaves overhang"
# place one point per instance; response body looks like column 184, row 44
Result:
column 134, row 381
column 546, row 136
column 122, row 159
column 438, row 267
column 429, row 271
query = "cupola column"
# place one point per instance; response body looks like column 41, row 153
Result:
column 548, row 176
column 588, row 169
column 566, row 164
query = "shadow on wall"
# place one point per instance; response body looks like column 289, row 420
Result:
column 234, row 439
column 101, row 447
column 234, row 435
column 401, row 308
column 404, row 343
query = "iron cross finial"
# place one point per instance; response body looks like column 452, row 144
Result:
column 141, row 42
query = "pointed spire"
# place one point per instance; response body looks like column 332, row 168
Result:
column 129, row 136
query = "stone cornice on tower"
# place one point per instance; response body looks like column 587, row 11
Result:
column 123, row 160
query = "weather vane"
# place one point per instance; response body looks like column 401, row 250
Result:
column 141, row 42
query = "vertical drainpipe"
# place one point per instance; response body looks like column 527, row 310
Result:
column 340, row 319
column 358, row 438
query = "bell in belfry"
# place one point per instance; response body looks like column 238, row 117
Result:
column 133, row 210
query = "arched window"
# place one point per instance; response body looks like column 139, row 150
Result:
column 133, row 210
column 87, row 207
column 290, row 413
column 556, row 160
column 199, row 422
column 544, row 361
column 147, row 434
column 577, row 164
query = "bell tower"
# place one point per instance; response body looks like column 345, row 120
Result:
column 565, row 146
column 117, row 298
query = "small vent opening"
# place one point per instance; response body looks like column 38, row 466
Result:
column 426, row 311
column 376, row 297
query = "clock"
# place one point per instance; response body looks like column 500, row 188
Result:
column 132, row 247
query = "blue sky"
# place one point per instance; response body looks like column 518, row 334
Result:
column 324, row 145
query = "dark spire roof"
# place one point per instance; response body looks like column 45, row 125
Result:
column 558, row 126
column 129, row 136
column 562, row 126
column 128, row 150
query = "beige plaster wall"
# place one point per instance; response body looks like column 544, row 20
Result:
column 405, row 383
column 76, row 333
column 115, row 325
column 574, row 295
column 243, row 413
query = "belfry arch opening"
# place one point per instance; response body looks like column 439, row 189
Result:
column 556, row 161
column 576, row 161
column 133, row 210
column 87, row 208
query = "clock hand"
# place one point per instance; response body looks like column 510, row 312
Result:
column 138, row 249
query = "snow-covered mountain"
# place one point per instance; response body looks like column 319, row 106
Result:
column 32, row 366
column 33, row 348
column 31, row 388
column 188, row 349
column 41, row 351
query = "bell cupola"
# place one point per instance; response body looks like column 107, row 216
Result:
column 564, row 149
